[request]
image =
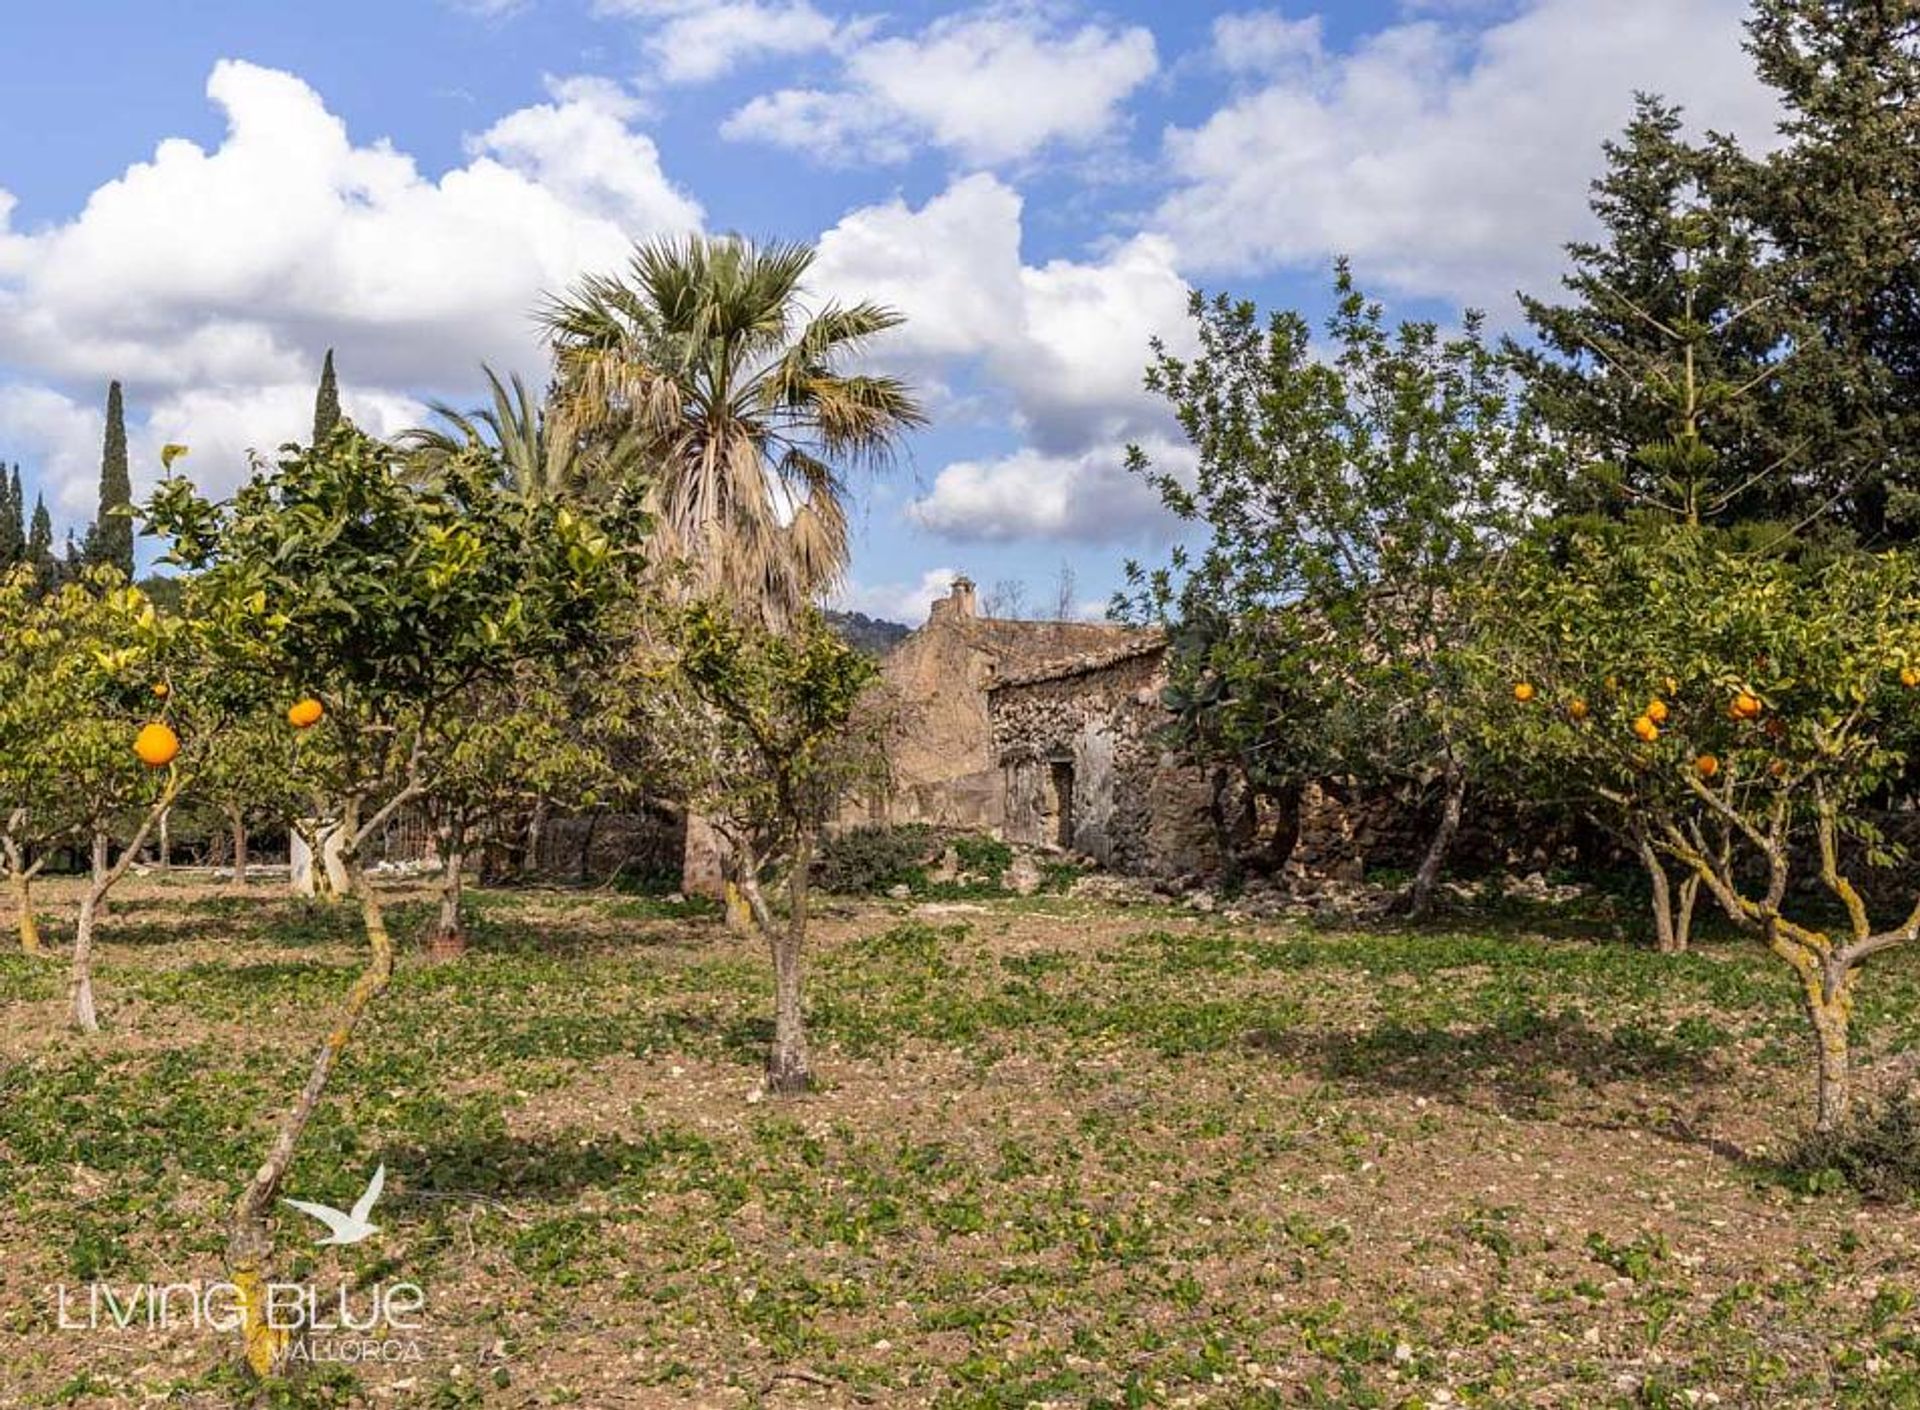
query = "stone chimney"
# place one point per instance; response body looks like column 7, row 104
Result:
column 959, row 603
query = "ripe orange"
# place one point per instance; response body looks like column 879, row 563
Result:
column 161, row 690
column 1745, row 706
column 1910, row 677
column 1646, row 729
column 1577, row 710
column 157, row 745
column 304, row 714
column 1657, row 710
column 1523, row 692
column 1708, row 765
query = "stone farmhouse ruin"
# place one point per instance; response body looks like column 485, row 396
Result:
column 1044, row 733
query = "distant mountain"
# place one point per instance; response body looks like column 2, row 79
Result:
column 868, row 635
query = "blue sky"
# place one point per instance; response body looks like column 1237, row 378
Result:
column 201, row 199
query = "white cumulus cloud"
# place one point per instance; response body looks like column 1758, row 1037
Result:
column 1090, row 497
column 211, row 280
column 695, row 41
column 990, row 86
column 1447, row 159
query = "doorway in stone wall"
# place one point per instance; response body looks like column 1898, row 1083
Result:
column 1059, row 829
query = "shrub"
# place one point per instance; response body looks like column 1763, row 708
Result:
column 865, row 861
column 1877, row 1153
column 983, row 858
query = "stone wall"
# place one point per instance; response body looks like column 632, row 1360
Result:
column 1082, row 770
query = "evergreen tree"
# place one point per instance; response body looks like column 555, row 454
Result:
column 110, row 541
column 13, row 524
column 326, row 403
column 1841, row 204
column 40, row 544
column 1669, row 337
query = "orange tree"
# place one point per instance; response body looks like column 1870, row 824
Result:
column 1744, row 710
column 385, row 600
column 91, row 735
column 763, row 733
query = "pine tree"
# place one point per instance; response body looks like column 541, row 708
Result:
column 1672, row 294
column 110, row 542
column 1841, row 203
column 326, row 404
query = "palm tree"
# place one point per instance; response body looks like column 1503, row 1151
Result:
column 541, row 462
column 740, row 396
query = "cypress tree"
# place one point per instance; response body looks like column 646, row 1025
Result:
column 40, row 543
column 13, row 524
column 111, row 541
column 326, row 404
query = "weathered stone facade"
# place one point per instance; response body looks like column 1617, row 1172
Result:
column 942, row 761
column 1082, row 767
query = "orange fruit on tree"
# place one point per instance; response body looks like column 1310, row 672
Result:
column 162, row 690
column 1577, row 709
column 1523, row 692
column 304, row 714
column 1746, row 706
column 1657, row 710
column 1646, row 729
column 157, row 745
column 1707, row 765
column 1910, row 677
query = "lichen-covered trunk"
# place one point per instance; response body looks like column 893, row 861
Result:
column 269, row 1349
column 237, row 825
column 20, row 883
column 1427, row 878
column 1829, row 1004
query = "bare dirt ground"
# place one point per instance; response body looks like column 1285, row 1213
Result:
column 1061, row 1154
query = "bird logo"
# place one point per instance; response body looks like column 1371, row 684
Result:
column 351, row 1227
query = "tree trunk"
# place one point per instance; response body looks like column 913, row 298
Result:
column 20, row 882
column 268, row 1348
column 237, row 823
column 449, row 937
column 22, row 885
column 586, row 848
column 1286, row 826
column 1672, row 911
column 1683, row 914
column 102, row 856
column 1829, row 1003
column 1420, row 894
column 165, row 843
column 787, row 1070
column 80, row 981
column 536, row 834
